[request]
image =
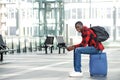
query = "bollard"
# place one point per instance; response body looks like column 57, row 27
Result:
column 35, row 45
column 5, row 43
column 1, row 57
column 12, row 46
column 59, row 50
column 18, row 50
column 40, row 44
column 25, row 48
column 63, row 50
column 30, row 46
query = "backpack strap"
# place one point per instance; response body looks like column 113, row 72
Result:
column 92, row 37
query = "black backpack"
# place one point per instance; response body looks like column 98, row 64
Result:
column 101, row 33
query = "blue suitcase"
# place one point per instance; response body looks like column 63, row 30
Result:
column 98, row 64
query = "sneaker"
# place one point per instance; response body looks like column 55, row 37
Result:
column 75, row 74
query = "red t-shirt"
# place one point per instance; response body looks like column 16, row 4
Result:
column 88, row 41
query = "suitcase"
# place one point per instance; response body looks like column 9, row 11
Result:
column 98, row 64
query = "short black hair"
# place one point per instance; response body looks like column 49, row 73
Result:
column 79, row 22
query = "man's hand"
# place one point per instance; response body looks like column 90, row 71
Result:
column 70, row 48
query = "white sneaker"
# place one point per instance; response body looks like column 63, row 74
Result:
column 75, row 74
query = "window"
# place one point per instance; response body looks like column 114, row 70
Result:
column 94, row 13
column 98, row 13
column 22, row 0
column 29, row 0
column 30, row 30
column 29, row 13
column 79, row 13
column 35, row 14
column 73, row 13
column 52, row 14
column 11, row 1
column 36, row 29
column 24, row 30
column 86, row 13
column 73, row 1
column 119, row 13
column 67, row 0
column 83, row 13
column 12, row 30
column 84, row 1
column 102, row 13
column 11, row 13
column 79, row 0
column 23, row 13
column 27, row 33
column 67, row 13
column 108, row 12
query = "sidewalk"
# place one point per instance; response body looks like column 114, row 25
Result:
column 112, row 44
column 41, row 66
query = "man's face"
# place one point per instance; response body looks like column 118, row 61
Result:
column 78, row 27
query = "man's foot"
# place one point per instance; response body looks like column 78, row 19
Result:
column 75, row 74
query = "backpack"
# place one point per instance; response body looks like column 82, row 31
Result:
column 100, row 32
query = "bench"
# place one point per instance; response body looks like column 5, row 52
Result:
column 4, row 51
column 61, row 44
column 3, row 48
column 48, row 44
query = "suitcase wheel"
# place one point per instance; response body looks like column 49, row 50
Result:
column 91, row 75
column 105, row 75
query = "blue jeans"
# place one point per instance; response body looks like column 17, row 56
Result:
column 77, row 55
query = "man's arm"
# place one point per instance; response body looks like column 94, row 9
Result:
column 70, row 48
column 85, row 40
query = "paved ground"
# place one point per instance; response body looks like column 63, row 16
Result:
column 40, row 66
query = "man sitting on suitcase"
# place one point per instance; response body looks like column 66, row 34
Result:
column 88, row 45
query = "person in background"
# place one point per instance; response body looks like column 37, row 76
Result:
column 88, row 45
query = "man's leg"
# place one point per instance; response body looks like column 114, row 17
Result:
column 77, row 56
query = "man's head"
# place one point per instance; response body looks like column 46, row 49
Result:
column 78, row 26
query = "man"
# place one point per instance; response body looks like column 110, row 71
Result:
column 88, row 45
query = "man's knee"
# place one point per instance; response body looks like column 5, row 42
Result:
column 79, row 50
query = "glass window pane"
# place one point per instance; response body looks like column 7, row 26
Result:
column 73, row 13
column 79, row 13
column 119, row 13
column 67, row 14
column 108, row 13
column 12, row 30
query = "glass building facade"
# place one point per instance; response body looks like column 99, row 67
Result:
column 104, row 13
column 57, row 17
column 34, row 17
column 50, row 17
